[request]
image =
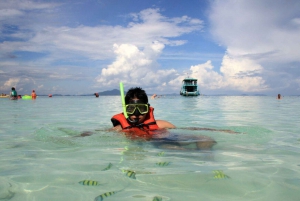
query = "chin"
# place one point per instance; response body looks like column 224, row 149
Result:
column 141, row 120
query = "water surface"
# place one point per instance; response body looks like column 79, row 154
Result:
column 43, row 159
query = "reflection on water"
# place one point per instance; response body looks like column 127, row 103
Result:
column 43, row 157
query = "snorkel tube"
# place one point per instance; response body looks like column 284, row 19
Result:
column 135, row 121
column 123, row 100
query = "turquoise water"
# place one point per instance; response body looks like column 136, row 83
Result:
column 43, row 159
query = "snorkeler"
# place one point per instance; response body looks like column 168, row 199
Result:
column 140, row 114
column 141, row 124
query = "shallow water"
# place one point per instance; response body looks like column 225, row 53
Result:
column 43, row 159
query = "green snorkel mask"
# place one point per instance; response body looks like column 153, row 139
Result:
column 137, row 108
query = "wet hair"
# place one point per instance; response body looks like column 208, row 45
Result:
column 13, row 88
column 138, row 93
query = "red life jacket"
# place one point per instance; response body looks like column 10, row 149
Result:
column 145, row 129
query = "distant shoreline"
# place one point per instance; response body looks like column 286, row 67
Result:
column 169, row 95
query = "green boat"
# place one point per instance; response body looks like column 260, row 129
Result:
column 189, row 87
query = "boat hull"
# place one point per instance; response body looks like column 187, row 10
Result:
column 196, row 93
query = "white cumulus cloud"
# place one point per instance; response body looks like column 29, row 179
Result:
column 262, row 42
column 134, row 66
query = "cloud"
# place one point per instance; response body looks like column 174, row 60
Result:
column 242, row 74
column 255, row 38
column 21, row 13
column 134, row 66
column 207, row 77
column 256, row 26
column 24, row 5
column 260, row 37
column 134, row 47
column 96, row 42
column 235, row 76
column 145, row 38
column 7, row 13
column 12, row 82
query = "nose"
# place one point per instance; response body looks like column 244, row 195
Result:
column 136, row 112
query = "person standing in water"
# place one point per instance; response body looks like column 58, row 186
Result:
column 141, row 124
column 33, row 94
column 278, row 96
column 13, row 94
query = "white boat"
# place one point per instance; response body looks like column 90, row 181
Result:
column 189, row 87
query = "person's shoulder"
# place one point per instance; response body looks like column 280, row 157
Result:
column 164, row 124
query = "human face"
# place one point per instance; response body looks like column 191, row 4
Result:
column 137, row 111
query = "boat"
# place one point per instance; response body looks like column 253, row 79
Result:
column 4, row 96
column 189, row 87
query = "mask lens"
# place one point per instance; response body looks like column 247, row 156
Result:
column 143, row 109
column 130, row 109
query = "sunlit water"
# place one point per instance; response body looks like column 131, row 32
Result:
column 43, row 159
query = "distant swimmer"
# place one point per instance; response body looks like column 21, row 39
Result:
column 278, row 96
column 96, row 95
column 13, row 94
column 33, row 94
column 153, row 96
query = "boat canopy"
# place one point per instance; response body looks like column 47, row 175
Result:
column 190, row 81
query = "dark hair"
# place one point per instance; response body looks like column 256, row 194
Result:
column 138, row 93
column 13, row 88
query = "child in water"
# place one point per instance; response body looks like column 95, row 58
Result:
column 13, row 94
column 141, row 124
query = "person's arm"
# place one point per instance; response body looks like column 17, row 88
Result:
column 116, row 128
column 164, row 124
column 210, row 129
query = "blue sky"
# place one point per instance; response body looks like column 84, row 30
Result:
column 80, row 47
